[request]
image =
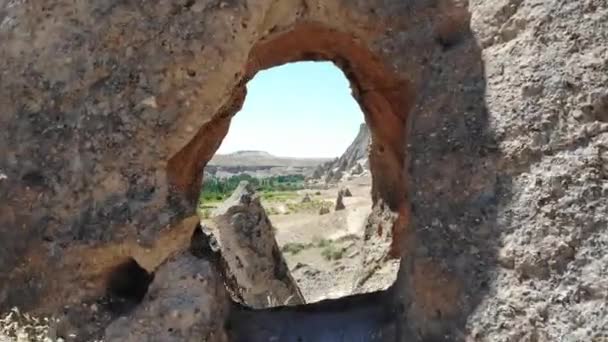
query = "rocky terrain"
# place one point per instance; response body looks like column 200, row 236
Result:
column 489, row 153
column 353, row 162
column 322, row 248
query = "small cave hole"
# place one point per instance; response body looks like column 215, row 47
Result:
column 33, row 178
column 128, row 282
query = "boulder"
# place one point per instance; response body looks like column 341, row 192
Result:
column 246, row 238
column 340, row 202
column 306, row 199
column 346, row 192
column 323, row 210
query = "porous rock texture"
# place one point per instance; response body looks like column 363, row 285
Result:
column 247, row 241
column 187, row 301
column 488, row 122
column 377, row 267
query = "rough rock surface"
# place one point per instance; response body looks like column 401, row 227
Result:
column 377, row 268
column 488, row 141
column 246, row 238
column 340, row 202
column 187, row 301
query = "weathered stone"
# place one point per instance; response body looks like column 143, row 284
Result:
column 378, row 267
column 346, row 192
column 323, row 210
column 248, row 245
column 306, row 199
column 187, row 301
column 340, row 202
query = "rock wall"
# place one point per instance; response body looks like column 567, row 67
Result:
column 488, row 122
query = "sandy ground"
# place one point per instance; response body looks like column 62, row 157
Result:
column 318, row 277
column 338, row 233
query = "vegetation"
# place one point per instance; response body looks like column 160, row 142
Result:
column 313, row 206
column 330, row 249
column 296, row 247
column 275, row 187
column 333, row 252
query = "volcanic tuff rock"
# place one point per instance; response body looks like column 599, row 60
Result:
column 186, row 302
column 489, row 147
column 340, row 202
column 246, row 238
column 352, row 161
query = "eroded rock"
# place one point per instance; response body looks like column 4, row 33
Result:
column 323, row 210
column 306, row 199
column 346, row 192
column 350, row 162
column 378, row 268
column 187, row 301
column 340, row 202
column 246, row 237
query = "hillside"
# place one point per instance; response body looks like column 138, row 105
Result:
column 260, row 164
column 262, row 158
column 354, row 161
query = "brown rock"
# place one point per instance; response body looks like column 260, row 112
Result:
column 187, row 301
column 323, row 210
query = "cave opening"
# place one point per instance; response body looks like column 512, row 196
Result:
column 300, row 143
column 126, row 285
column 380, row 95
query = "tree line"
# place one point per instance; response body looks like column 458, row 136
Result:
column 218, row 189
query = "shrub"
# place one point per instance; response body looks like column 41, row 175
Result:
column 333, row 252
column 295, row 247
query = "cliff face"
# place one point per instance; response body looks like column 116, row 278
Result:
column 489, row 150
column 354, row 161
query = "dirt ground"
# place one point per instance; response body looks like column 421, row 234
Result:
column 327, row 264
column 323, row 252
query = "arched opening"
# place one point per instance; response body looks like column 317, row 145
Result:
column 384, row 98
column 301, row 145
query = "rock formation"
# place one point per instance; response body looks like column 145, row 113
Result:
column 377, row 266
column 246, row 238
column 489, row 129
column 346, row 192
column 340, row 202
column 306, row 199
column 323, row 210
column 350, row 162
column 186, row 302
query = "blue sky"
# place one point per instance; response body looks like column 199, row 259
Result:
column 302, row 109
